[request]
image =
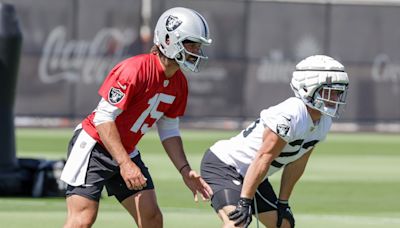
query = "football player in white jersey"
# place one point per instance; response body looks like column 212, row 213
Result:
column 283, row 137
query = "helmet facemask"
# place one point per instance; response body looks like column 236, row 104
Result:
column 189, row 60
column 330, row 99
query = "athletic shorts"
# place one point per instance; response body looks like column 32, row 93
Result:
column 227, row 183
column 104, row 171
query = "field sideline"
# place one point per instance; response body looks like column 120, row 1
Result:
column 352, row 180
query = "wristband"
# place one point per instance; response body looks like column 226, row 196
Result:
column 180, row 170
column 283, row 201
column 245, row 201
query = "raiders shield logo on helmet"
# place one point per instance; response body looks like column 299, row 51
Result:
column 115, row 95
column 172, row 23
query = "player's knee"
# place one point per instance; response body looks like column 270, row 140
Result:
column 158, row 218
column 155, row 218
column 81, row 212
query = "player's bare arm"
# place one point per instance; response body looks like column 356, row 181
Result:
column 270, row 149
column 174, row 148
column 291, row 174
column 131, row 174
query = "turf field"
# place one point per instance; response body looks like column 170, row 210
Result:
column 352, row 180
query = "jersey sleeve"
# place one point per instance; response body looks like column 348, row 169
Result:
column 279, row 122
column 120, row 85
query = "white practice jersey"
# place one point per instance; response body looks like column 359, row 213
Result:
column 290, row 120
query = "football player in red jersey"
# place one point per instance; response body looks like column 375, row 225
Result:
column 138, row 93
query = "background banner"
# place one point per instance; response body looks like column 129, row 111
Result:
column 69, row 46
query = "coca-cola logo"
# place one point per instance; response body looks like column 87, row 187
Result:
column 81, row 60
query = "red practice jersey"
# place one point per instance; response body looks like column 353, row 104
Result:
column 139, row 87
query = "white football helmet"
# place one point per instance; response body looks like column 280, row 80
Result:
column 177, row 25
column 321, row 82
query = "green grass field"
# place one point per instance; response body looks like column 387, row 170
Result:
column 352, row 180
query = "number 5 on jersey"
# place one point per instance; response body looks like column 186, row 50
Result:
column 153, row 102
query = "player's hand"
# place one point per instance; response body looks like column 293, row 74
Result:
column 132, row 176
column 196, row 184
column 284, row 212
column 242, row 213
